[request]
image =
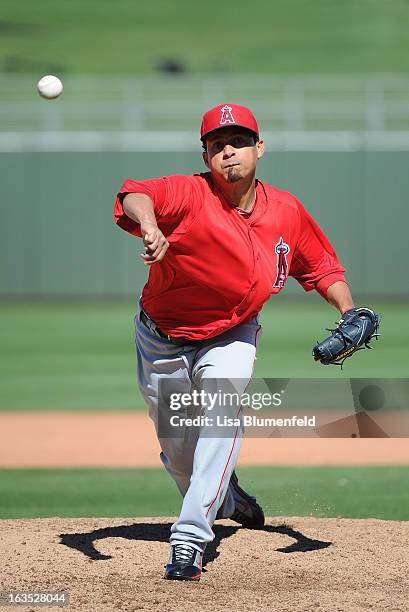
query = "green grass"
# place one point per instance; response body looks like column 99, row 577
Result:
column 279, row 36
column 354, row 492
column 81, row 356
column 68, row 355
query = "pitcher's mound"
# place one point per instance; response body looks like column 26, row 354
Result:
column 293, row 564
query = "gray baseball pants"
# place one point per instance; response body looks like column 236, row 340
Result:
column 200, row 465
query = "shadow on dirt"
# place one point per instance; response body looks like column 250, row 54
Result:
column 302, row 543
column 84, row 542
column 159, row 532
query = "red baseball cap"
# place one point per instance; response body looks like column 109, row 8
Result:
column 226, row 115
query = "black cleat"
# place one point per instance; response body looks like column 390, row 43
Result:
column 185, row 563
column 247, row 512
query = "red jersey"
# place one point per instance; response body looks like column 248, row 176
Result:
column 221, row 265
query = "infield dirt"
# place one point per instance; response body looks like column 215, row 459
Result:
column 127, row 439
column 293, row 564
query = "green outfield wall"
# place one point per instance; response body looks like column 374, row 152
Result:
column 57, row 237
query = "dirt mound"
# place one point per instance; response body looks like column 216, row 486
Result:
column 293, row 564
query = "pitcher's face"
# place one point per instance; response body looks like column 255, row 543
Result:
column 232, row 154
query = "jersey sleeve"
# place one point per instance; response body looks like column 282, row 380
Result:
column 315, row 264
column 170, row 196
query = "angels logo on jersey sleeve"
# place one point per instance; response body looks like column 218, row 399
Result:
column 227, row 115
column 281, row 249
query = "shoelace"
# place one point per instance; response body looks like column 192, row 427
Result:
column 182, row 553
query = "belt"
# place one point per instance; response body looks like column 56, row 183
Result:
column 151, row 325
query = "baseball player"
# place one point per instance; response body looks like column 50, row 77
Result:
column 217, row 246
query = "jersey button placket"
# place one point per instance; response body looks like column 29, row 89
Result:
column 252, row 289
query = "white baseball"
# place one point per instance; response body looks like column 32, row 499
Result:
column 49, row 87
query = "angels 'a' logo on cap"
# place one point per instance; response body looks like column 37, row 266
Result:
column 227, row 115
